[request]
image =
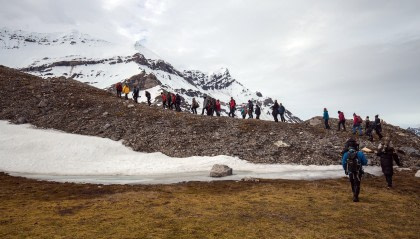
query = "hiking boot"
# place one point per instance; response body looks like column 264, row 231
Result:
column 355, row 199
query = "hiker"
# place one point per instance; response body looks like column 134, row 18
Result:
column 118, row 87
column 173, row 100
column 257, row 111
column 326, row 117
column 352, row 162
column 169, row 100
column 232, row 107
column 194, row 106
column 387, row 154
column 163, row 99
column 212, row 106
column 148, row 96
column 136, row 93
column 341, row 121
column 126, row 91
column 368, row 128
column 357, row 124
column 275, row 108
column 205, row 101
column 218, row 107
column 350, row 143
column 250, row 109
column 281, row 112
column 243, row 111
column 377, row 127
column 178, row 102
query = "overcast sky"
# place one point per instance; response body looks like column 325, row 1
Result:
column 355, row 56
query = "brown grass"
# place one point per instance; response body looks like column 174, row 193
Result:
column 266, row 209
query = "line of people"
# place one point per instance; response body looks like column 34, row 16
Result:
column 171, row 101
column 357, row 124
column 136, row 92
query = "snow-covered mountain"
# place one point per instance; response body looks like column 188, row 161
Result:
column 101, row 63
column 414, row 130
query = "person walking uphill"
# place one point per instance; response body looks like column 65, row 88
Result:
column 387, row 154
column 232, row 107
column 326, row 117
column 250, row 109
column 148, row 96
column 118, row 87
column 352, row 162
column 357, row 124
column 282, row 110
column 275, row 108
column 341, row 121
column 126, row 91
column 194, row 106
column 257, row 111
column 136, row 93
column 377, row 127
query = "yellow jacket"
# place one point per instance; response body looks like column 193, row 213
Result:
column 126, row 89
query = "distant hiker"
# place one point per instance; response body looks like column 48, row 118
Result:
column 210, row 106
column 377, row 127
column 357, row 124
column 169, row 100
column 275, row 109
column 178, row 102
column 126, row 91
column 387, row 154
column 148, row 96
column 352, row 162
column 341, row 121
column 326, row 117
column 282, row 110
column 173, row 100
column 257, row 111
column 163, row 95
column 136, row 93
column 368, row 128
column 232, row 107
column 250, row 109
column 118, row 87
column 194, row 106
column 350, row 143
column 218, row 107
column 213, row 107
column 205, row 102
column 243, row 111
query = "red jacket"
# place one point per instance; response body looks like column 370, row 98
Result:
column 119, row 86
column 232, row 104
column 356, row 120
column 218, row 106
column 163, row 97
column 341, row 116
column 173, row 98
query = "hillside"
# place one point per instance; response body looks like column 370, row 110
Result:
column 76, row 107
column 102, row 64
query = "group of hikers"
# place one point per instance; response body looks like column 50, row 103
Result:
column 136, row 92
column 357, row 124
column 353, row 161
column 171, row 101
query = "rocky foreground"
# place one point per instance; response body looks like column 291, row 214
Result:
column 75, row 107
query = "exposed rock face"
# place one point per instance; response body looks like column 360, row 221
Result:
column 220, row 170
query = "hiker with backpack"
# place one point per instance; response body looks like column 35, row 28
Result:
column 178, row 102
column 357, row 124
column 163, row 95
column 282, row 110
column 169, row 100
column 341, row 121
column 136, row 93
column 205, row 102
column 350, row 143
column 218, row 107
column 257, row 111
column 118, row 87
column 243, row 111
column 126, row 91
column 232, row 107
column 377, row 127
column 387, row 155
column 173, row 100
column 250, row 109
column 369, row 128
column 194, row 106
column 352, row 162
column 148, row 96
column 326, row 117
column 275, row 112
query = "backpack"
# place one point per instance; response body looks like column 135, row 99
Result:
column 353, row 165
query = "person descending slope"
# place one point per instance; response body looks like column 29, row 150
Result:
column 352, row 162
column 194, row 106
column 326, row 117
column 282, row 110
column 357, row 124
column 387, row 154
column 118, row 87
column 136, row 93
column 257, row 111
column 275, row 109
column 232, row 107
column 218, row 107
column 148, row 96
column 126, row 91
column 341, row 121
column 250, row 109
column 163, row 95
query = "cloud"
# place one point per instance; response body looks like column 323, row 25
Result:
column 354, row 56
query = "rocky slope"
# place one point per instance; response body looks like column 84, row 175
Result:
column 75, row 107
column 414, row 130
column 102, row 64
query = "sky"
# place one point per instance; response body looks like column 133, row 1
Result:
column 353, row 56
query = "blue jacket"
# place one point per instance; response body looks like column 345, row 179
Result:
column 326, row 116
column 360, row 156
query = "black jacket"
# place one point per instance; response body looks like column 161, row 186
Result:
column 388, row 156
column 275, row 108
column 257, row 110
